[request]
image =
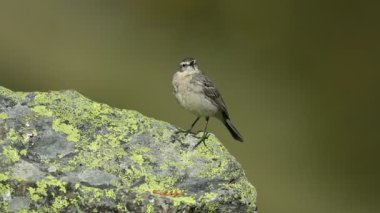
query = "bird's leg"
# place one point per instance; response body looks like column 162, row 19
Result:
column 175, row 138
column 204, row 136
column 191, row 128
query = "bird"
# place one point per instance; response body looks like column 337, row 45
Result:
column 196, row 93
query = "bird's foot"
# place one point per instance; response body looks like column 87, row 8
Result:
column 186, row 132
column 175, row 137
column 202, row 140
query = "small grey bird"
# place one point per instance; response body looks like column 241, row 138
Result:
column 196, row 93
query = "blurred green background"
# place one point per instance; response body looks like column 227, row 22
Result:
column 300, row 79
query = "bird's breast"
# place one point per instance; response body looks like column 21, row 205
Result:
column 191, row 97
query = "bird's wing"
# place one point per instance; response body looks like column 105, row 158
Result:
column 211, row 92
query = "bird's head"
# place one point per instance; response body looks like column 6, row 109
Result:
column 188, row 65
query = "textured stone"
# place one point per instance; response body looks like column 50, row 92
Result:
column 61, row 152
column 26, row 171
column 97, row 178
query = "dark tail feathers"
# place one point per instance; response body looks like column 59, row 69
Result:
column 234, row 132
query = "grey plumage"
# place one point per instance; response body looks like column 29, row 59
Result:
column 196, row 93
column 209, row 91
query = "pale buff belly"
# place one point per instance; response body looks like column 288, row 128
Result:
column 195, row 102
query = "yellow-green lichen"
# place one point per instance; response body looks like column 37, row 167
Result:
column 185, row 162
column 44, row 98
column 4, row 176
column 210, row 195
column 110, row 193
column 215, row 170
column 4, row 207
column 3, row 116
column 152, row 182
column 42, row 110
column 16, row 96
column 137, row 158
column 100, row 159
column 11, row 154
column 208, row 199
column 245, row 189
column 71, row 132
column 23, row 152
column 101, row 108
column 37, row 193
column 150, row 208
column 76, row 186
column 59, row 203
column 13, row 136
column 94, row 146
column 34, row 196
column 92, row 194
column 121, row 208
column 5, row 190
column 133, row 121
column 189, row 201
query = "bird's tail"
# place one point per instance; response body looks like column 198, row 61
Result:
column 234, row 132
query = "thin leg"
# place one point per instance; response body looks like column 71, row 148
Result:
column 175, row 138
column 204, row 136
column 191, row 127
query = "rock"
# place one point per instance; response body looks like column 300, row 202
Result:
column 61, row 152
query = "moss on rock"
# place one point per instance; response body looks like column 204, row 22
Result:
column 89, row 156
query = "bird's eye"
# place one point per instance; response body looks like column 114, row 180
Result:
column 183, row 65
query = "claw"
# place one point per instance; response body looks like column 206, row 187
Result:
column 186, row 132
column 175, row 136
column 202, row 139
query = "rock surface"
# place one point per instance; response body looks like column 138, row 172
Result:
column 61, row 152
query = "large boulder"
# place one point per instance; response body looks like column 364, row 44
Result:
column 61, row 152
